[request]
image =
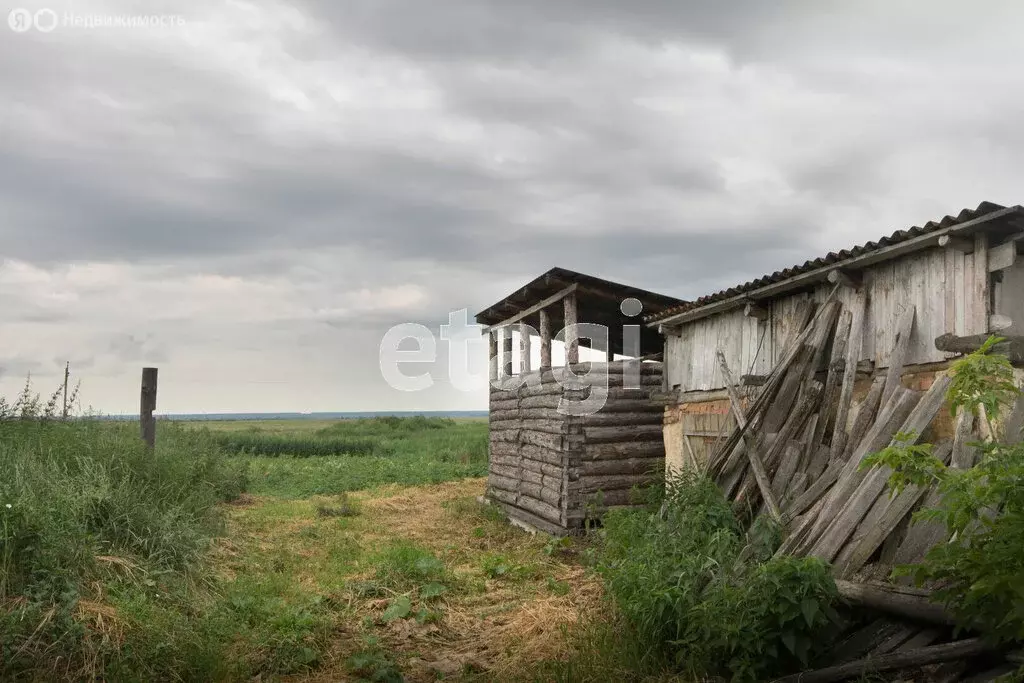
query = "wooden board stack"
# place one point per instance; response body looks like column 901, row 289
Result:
column 796, row 454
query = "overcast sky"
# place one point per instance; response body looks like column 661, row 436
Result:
column 251, row 194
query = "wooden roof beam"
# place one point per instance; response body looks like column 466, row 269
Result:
column 553, row 299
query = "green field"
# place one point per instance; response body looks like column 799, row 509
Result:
column 317, row 558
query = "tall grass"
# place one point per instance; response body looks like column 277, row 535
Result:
column 85, row 511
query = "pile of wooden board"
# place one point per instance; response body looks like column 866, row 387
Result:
column 796, row 454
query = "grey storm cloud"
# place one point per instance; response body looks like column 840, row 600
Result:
column 270, row 186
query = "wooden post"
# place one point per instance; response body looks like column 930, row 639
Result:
column 524, row 348
column 493, row 360
column 67, row 374
column 147, row 405
column 572, row 342
column 545, row 339
column 506, row 352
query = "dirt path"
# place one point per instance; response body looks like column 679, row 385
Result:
column 509, row 598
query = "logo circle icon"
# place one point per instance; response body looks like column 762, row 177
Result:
column 631, row 307
column 19, row 19
column 46, row 20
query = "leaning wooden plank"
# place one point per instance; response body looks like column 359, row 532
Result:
column 863, row 419
column 816, row 490
column 756, row 465
column 924, row 535
column 799, row 529
column 874, row 483
column 904, row 329
column 891, row 416
column 934, row 654
column 963, row 453
column 783, row 476
column 768, row 393
column 884, row 517
column 806, row 363
column 796, row 420
column 854, row 347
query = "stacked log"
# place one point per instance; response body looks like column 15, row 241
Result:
column 554, row 469
column 796, row 454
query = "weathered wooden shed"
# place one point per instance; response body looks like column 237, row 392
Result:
column 956, row 280
column 779, row 390
column 568, row 442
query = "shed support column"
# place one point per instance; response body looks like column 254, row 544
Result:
column 493, row 360
column 524, row 348
column 506, row 352
column 572, row 342
column 545, row 339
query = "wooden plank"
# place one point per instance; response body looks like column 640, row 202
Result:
column 979, row 287
column 901, row 601
column 891, row 416
column 819, row 274
column 544, row 303
column 887, row 513
column 949, row 291
column 873, row 484
column 833, row 382
column 904, row 330
column 934, row 654
column 805, row 406
column 756, row 465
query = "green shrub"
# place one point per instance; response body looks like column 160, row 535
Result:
column 676, row 577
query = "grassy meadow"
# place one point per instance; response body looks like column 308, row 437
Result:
column 284, row 550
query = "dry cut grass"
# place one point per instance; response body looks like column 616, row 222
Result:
column 508, row 599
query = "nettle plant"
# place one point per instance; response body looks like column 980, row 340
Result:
column 980, row 570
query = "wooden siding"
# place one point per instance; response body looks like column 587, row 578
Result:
column 941, row 284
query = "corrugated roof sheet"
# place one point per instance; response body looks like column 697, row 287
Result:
column 832, row 258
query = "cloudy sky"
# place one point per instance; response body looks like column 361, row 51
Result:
column 249, row 195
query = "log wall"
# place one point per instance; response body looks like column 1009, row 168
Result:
column 554, row 469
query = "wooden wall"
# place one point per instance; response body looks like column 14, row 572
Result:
column 553, row 470
column 949, row 293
